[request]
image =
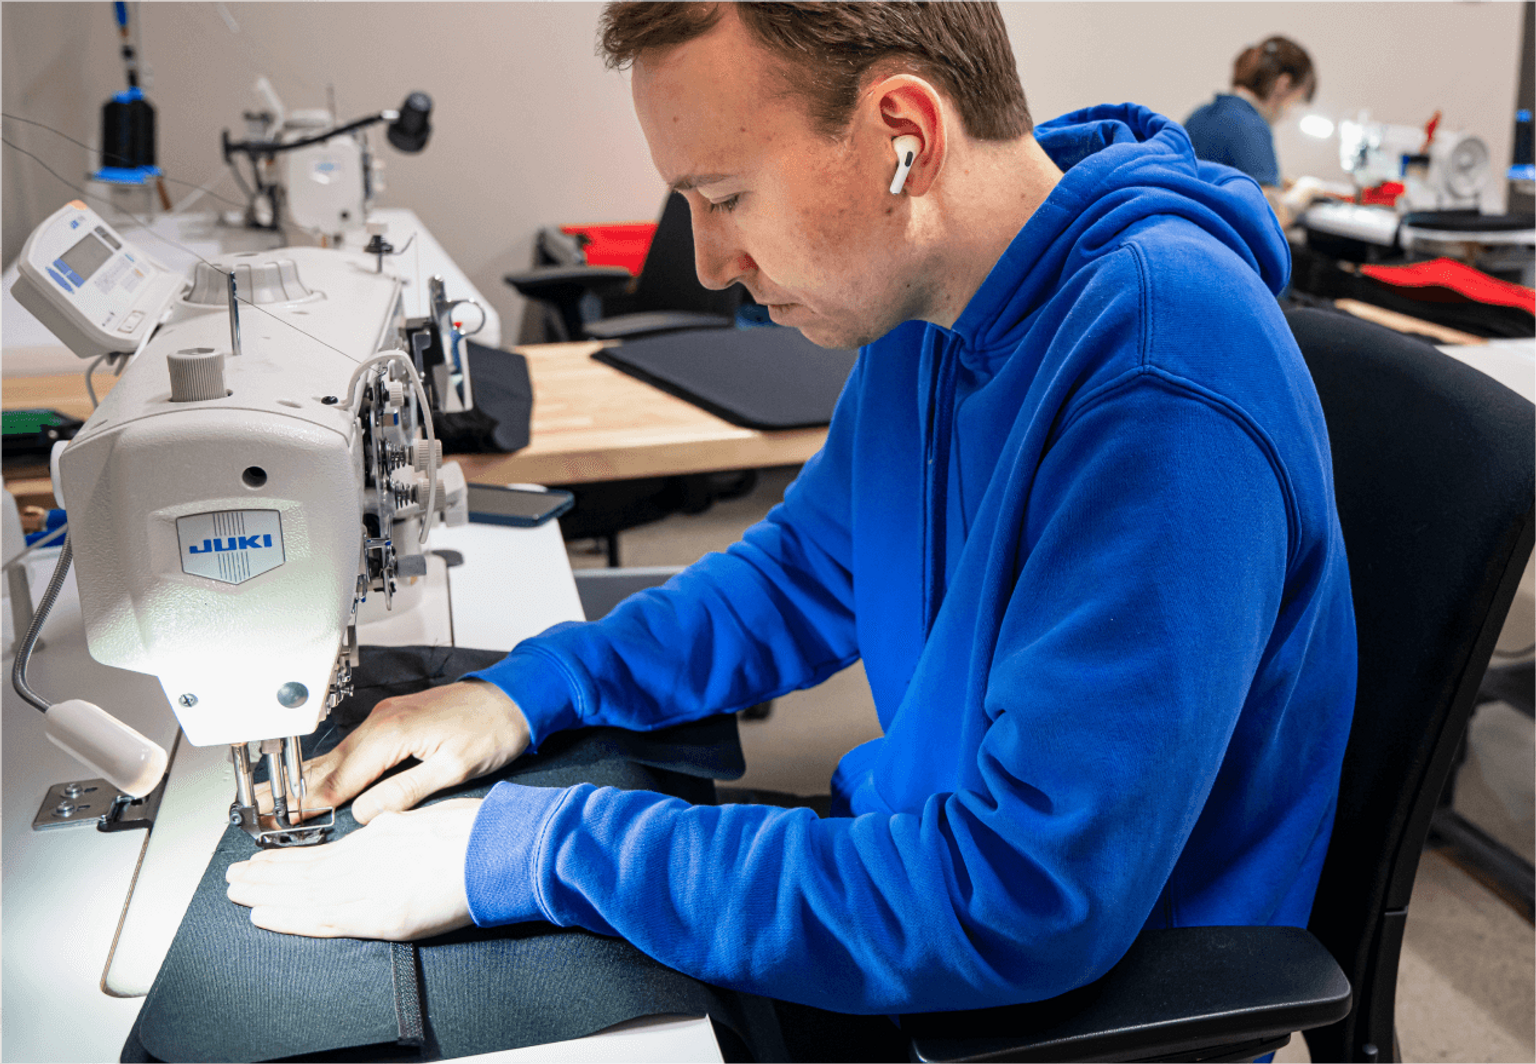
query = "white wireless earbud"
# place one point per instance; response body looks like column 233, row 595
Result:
column 907, row 147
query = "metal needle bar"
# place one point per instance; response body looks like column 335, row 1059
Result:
column 234, row 315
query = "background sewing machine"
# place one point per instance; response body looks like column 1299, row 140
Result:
column 311, row 174
column 1438, row 169
column 1419, row 191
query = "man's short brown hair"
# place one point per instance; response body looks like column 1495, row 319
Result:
column 828, row 51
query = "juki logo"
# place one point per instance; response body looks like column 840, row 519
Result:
column 231, row 546
column 232, row 543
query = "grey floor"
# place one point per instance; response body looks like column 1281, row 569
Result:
column 1466, row 990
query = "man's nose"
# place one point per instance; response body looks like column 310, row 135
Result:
column 718, row 263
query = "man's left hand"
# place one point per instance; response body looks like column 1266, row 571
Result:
column 399, row 878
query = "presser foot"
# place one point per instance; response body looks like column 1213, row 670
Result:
column 269, row 834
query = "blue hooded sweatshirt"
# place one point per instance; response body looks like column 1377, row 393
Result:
column 1085, row 543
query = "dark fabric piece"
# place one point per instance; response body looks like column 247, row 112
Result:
column 1469, row 221
column 231, row 991
column 812, row 1034
column 1319, row 275
column 709, row 748
column 503, row 395
column 760, row 378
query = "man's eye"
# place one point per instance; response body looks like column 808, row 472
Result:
column 728, row 204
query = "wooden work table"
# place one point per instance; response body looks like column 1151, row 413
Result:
column 590, row 423
column 593, row 423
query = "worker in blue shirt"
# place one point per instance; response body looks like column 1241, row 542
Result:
column 1074, row 514
column 1236, row 128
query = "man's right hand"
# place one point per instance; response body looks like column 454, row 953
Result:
column 457, row 732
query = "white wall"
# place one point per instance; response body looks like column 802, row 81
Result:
column 1400, row 61
column 529, row 129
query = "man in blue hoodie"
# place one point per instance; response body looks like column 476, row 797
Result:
column 1074, row 513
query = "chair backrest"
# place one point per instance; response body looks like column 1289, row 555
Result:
column 669, row 280
column 1433, row 474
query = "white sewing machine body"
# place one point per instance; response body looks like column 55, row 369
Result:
column 330, row 186
column 262, row 468
column 220, row 542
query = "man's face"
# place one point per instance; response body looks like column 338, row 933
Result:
column 806, row 224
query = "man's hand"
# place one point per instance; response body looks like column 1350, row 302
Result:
column 399, row 878
column 457, row 732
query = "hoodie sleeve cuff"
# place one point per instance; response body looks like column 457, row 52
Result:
column 539, row 688
column 500, row 869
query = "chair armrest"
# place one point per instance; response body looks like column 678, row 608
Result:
column 558, row 284
column 644, row 323
column 1174, row 993
column 600, row 590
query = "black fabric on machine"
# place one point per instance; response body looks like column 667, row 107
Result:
column 763, row 378
column 231, row 991
column 503, row 394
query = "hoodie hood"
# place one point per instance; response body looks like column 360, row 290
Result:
column 1121, row 164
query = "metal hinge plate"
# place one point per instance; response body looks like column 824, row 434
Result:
column 96, row 801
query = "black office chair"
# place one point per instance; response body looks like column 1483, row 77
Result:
column 600, row 303
column 1433, row 470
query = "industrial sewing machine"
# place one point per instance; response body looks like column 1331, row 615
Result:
column 311, row 174
column 1434, row 168
column 262, row 473
column 1419, row 192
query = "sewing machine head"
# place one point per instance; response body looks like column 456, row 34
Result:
column 253, row 476
column 315, row 176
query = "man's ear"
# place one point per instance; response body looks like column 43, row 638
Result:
column 904, row 105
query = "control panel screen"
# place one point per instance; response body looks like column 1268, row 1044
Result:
column 86, row 257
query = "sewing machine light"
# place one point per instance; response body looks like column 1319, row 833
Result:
column 129, row 761
column 1316, row 125
column 412, row 125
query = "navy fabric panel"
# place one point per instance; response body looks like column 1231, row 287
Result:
column 768, row 378
column 231, row 991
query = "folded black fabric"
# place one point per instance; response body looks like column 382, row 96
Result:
column 763, row 378
column 503, row 395
column 231, row 991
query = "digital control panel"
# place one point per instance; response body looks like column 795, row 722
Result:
column 95, row 291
